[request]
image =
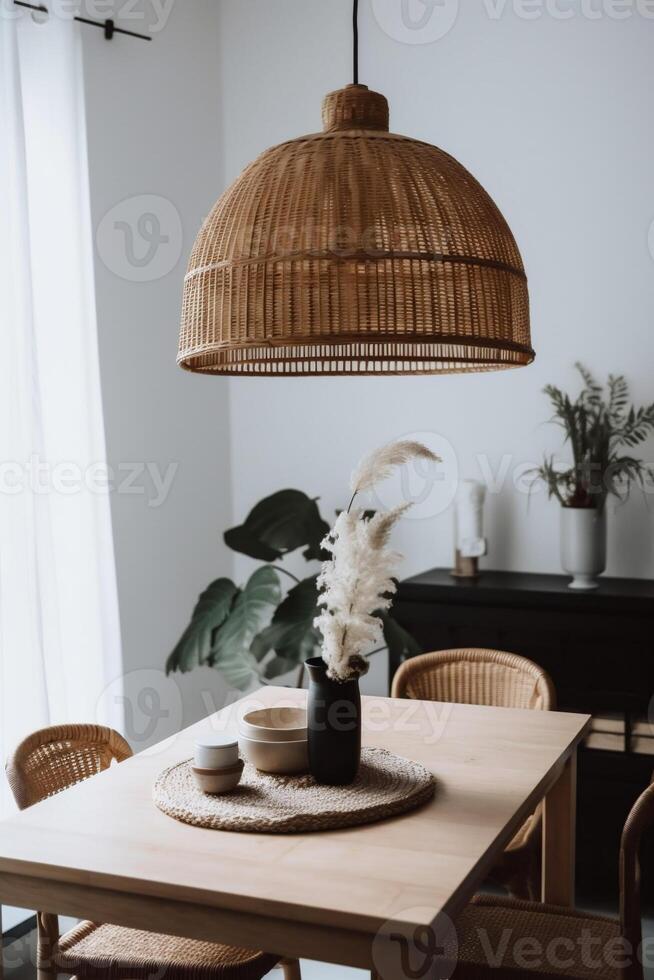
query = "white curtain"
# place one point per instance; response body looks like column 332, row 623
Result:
column 59, row 628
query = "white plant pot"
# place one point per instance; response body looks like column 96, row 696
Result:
column 583, row 545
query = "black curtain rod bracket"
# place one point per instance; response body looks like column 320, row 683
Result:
column 108, row 26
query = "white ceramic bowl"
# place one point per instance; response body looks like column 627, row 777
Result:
column 218, row 780
column 216, row 752
column 283, row 724
column 280, row 758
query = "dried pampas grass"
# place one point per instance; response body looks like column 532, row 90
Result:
column 379, row 465
column 357, row 581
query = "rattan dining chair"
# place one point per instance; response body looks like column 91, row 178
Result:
column 489, row 677
column 51, row 760
column 551, row 943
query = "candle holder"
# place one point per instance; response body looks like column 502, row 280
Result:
column 470, row 543
column 465, row 566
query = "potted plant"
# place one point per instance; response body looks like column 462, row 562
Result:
column 260, row 631
column 356, row 582
column 601, row 428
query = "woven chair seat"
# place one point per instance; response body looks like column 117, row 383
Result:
column 105, row 952
column 505, row 937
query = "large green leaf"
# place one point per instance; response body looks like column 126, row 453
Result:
column 231, row 650
column 278, row 524
column 277, row 667
column 244, row 541
column 401, row 645
column 212, row 609
column 291, row 634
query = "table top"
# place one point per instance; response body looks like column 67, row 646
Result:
column 491, row 765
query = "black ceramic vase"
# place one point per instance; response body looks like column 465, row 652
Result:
column 334, row 726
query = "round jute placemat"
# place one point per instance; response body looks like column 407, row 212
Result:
column 386, row 785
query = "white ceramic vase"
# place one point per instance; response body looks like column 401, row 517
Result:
column 583, row 545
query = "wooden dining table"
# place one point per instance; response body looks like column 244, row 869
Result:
column 102, row 850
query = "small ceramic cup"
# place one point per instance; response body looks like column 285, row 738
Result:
column 218, row 780
column 216, row 752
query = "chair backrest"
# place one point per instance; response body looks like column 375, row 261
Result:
column 640, row 819
column 475, row 676
column 52, row 759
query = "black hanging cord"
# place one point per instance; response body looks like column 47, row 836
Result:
column 355, row 42
column 108, row 25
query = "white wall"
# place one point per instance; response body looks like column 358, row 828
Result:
column 554, row 118
column 154, row 129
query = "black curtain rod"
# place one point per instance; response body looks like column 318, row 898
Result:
column 108, row 25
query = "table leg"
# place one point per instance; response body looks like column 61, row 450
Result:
column 559, row 819
column 291, row 969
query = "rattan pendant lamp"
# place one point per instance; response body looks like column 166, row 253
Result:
column 354, row 251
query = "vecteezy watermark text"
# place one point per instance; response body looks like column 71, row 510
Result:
column 41, row 477
column 567, row 9
column 430, row 487
column 427, row 21
column 150, row 15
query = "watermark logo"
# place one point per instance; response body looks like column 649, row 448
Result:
column 20, row 954
column 416, row 21
column 140, row 238
column 423, row 720
column 431, row 487
column 426, row 951
column 152, row 15
column 428, row 486
column 150, row 703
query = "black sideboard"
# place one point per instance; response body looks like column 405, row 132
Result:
column 598, row 648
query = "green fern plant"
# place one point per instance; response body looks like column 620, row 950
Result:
column 600, row 427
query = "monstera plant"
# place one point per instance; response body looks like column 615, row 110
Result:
column 258, row 632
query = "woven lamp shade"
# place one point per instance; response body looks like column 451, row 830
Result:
column 354, row 251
